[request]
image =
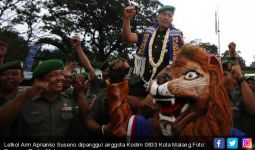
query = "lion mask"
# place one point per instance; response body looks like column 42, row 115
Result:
column 192, row 97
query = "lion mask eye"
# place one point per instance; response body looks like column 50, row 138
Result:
column 190, row 75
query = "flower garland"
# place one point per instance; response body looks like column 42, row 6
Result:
column 162, row 53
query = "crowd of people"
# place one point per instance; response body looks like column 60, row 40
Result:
column 62, row 103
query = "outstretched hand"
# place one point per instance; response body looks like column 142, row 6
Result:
column 69, row 68
column 237, row 71
column 118, row 70
column 80, row 85
column 148, row 102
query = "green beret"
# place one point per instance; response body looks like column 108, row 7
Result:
column 11, row 65
column 166, row 7
column 47, row 66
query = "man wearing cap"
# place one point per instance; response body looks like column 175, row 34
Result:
column 11, row 75
column 156, row 48
column 41, row 110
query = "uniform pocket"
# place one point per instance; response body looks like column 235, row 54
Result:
column 33, row 117
column 67, row 115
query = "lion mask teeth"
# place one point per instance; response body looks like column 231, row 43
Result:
column 184, row 108
column 172, row 100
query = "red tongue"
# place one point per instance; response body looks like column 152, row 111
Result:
column 171, row 108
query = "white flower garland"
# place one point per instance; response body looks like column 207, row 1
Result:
column 162, row 54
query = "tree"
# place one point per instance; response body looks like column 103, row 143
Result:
column 6, row 10
column 226, row 56
column 30, row 16
column 17, row 46
column 210, row 48
column 97, row 22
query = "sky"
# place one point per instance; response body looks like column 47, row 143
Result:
column 196, row 19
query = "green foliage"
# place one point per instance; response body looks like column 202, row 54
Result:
column 211, row 48
column 226, row 56
column 17, row 47
column 6, row 10
column 98, row 22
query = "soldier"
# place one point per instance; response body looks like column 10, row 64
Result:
column 41, row 110
column 11, row 75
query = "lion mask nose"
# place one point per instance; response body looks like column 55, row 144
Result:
column 163, row 78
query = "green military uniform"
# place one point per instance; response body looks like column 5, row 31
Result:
column 40, row 117
column 4, row 98
column 98, row 111
column 77, row 124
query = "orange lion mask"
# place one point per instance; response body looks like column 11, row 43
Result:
column 192, row 99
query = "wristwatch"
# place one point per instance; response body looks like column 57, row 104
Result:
column 240, row 80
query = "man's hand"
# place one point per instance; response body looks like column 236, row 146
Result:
column 129, row 11
column 118, row 71
column 148, row 102
column 69, row 68
column 3, row 48
column 37, row 87
column 237, row 71
column 80, row 85
column 76, row 42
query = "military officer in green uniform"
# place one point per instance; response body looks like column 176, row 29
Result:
column 11, row 75
column 42, row 110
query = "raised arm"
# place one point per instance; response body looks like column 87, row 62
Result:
column 128, row 36
column 83, row 57
column 247, row 93
column 117, row 93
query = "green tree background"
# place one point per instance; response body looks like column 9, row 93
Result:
column 54, row 22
